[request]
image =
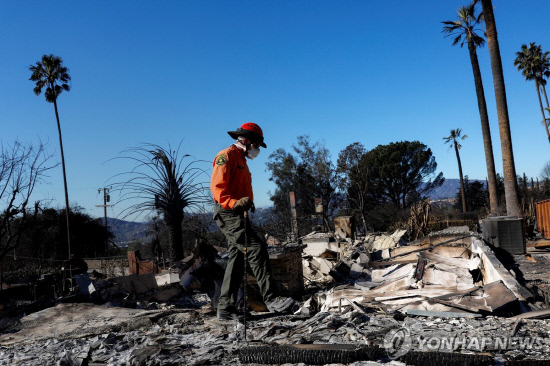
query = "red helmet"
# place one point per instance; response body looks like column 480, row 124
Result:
column 251, row 131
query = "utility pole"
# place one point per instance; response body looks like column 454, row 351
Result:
column 106, row 198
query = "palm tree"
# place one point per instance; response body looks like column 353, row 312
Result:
column 464, row 29
column 52, row 75
column 534, row 65
column 161, row 182
column 509, row 168
column 452, row 139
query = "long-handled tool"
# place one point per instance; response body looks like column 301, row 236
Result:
column 245, row 266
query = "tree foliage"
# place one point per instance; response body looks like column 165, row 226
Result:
column 466, row 28
column 50, row 73
column 353, row 179
column 534, row 64
column 400, row 173
column 46, row 235
column 162, row 181
column 309, row 172
column 380, row 185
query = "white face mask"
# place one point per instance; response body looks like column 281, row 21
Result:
column 252, row 152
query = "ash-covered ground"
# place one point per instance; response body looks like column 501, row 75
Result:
column 87, row 334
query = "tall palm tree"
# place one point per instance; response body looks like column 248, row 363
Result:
column 161, row 182
column 452, row 139
column 534, row 65
column 465, row 29
column 52, row 75
column 509, row 168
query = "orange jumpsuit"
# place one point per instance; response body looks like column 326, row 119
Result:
column 231, row 179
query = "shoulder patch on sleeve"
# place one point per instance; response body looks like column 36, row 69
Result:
column 221, row 159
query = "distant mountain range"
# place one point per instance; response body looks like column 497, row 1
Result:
column 127, row 231
column 449, row 189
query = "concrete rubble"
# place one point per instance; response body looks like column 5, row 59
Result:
column 449, row 285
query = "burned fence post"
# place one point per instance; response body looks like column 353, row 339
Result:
column 294, row 221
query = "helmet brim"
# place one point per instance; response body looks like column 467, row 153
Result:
column 250, row 135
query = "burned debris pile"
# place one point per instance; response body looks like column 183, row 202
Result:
column 445, row 292
column 441, row 274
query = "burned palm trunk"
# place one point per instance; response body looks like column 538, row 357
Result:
column 173, row 222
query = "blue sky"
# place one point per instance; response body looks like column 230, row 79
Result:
column 340, row 71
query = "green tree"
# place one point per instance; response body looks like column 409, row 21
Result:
column 162, row 182
column 509, row 167
column 475, row 194
column 452, row 140
column 353, row 178
column 465, row 30
column 310, row 173
column 400, row 173
column 52, row 75
column 44, row 237
column 534, row 65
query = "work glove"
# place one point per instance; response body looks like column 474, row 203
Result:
column 244, row 204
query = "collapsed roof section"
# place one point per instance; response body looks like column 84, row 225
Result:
column 450, row 272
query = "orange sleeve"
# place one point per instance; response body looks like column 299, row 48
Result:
column 219, row 180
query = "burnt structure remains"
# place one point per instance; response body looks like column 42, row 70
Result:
column 452, row 297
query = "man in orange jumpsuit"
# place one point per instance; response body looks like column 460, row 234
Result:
column 231, row 186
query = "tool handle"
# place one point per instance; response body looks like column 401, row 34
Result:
column 245, row 214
